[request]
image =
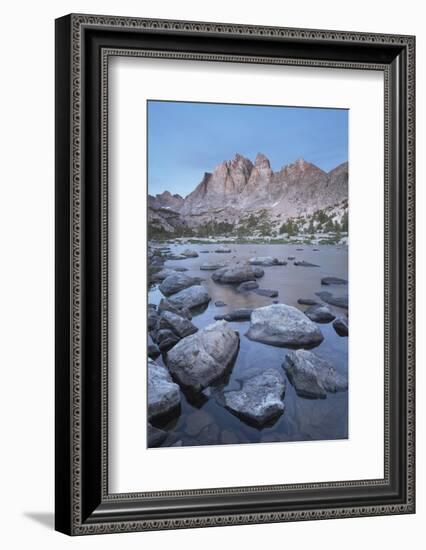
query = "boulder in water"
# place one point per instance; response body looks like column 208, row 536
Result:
column 237, row 274
column 267, row 292
column 201, row 359
column 260, row 399
column 177, row 282
column 312, row 376
column 284, row 326
column 191, row 297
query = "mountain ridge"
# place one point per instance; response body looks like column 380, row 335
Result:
column 239, row 186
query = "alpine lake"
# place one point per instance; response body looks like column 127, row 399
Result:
column 203, row 419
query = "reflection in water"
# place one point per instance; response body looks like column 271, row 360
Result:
column 203, row 419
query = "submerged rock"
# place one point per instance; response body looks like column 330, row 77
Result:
column 333, row 281
column 203, row 358
column 242, row 314
column 179, row 325
column 311, row 375
column 197, row 421
column 260, row 400
column 247, row 285
column 341, row 326
column 266, row 261
column 237, row 274
column 211, row 266
column 191, row 297
column 177, row 282
column 163, row 393
column 155, row 436
column 266, row 292
column 305, row 264
column 320, row 314
column 176, row 257
column 307, row 302
column 340, row 301
column 223, row 250
column 284, row 326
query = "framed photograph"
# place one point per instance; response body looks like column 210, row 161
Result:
column 229, row 200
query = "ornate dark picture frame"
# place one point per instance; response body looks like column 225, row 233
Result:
column 84, row 44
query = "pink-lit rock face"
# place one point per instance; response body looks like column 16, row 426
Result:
column 239, row 185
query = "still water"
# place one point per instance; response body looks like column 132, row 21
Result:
column 207, row 422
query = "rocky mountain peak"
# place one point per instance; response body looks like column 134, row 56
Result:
column 240, row 164
column 262, row 161
column 239, row 185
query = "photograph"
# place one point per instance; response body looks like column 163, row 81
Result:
column 248, row 283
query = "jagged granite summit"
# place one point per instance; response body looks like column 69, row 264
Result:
column 239, row 186
column 293, row 190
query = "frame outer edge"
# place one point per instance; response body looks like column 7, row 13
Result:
column 77, row 23
column 63, row 495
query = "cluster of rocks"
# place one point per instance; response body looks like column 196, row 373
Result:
column 196, row 360
column 244, row 276
column 167, row 327
column 171, row 321
column 321, row 313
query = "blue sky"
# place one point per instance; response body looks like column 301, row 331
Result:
column 187, row 139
